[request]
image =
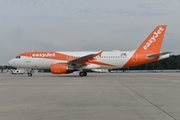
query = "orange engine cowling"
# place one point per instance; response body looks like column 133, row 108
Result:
column 61, row 69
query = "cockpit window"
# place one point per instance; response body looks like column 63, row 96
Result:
column 18, row 57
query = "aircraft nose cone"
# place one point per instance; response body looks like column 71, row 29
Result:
column 11, row 62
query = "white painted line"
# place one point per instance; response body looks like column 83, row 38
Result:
column 174, row 81
column 163, row 79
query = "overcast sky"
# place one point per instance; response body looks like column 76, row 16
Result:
column 69, row 25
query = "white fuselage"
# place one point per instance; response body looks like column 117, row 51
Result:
column 114, row 59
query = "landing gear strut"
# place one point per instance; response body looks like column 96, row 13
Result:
column 30, row 72
column 82, row 73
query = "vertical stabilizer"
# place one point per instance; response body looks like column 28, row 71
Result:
column 154, row 41
column 151, row 45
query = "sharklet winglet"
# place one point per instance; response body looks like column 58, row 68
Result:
column 99, row 54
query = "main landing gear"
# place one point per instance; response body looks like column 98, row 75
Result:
column 82, row 73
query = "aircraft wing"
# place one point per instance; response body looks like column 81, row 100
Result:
column 85, row 58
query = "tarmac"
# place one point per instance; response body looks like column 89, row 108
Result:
column 98, row 96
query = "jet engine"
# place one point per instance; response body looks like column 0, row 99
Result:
column 61, row 69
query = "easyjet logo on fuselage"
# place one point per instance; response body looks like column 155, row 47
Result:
column 43, row 55
column 153, row 38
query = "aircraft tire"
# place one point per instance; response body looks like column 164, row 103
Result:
column 82, row 74
column 29, row 74
column 85, row 73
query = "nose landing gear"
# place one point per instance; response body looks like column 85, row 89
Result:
column 30, row 72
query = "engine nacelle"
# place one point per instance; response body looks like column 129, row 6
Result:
column 61, row 69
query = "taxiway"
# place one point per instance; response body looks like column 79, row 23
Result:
column 99, row 96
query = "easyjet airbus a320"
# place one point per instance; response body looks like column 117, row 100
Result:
column 68, row 62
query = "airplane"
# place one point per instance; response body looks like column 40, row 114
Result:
column 67, row 62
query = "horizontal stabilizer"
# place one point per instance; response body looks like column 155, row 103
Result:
column 158, row 55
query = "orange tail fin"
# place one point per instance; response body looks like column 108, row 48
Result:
column 154, row 41
column 151, row 45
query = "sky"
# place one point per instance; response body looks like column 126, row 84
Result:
column 84, row 25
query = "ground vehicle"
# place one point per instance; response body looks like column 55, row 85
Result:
column 20, row 71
